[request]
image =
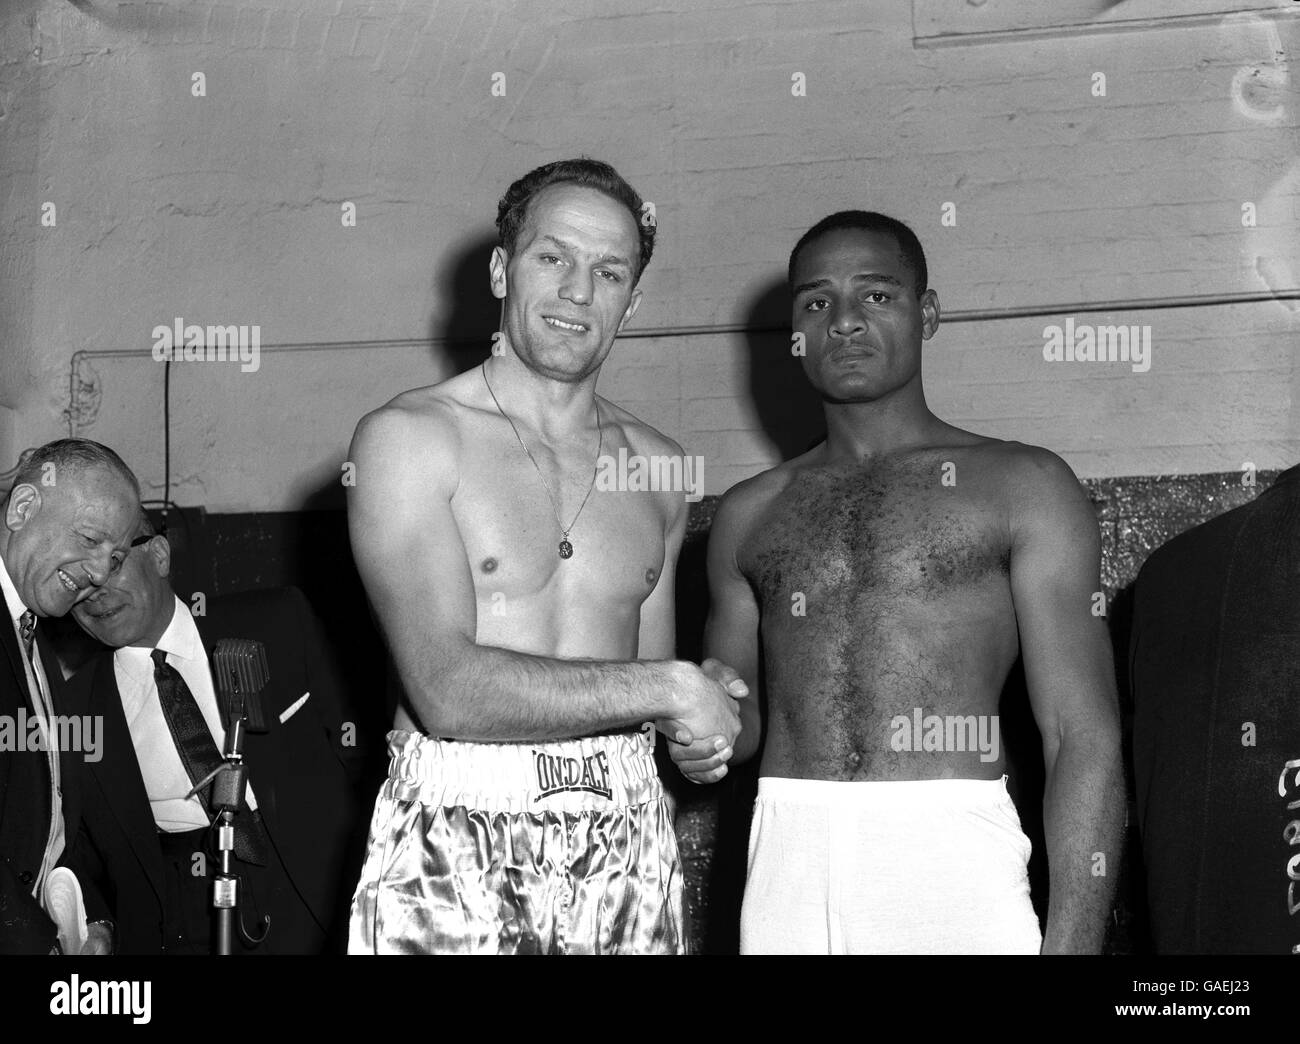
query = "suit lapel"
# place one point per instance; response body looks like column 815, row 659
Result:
column 12, row 653
column 118, row 774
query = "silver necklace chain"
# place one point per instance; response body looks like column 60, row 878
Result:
column 566, row 548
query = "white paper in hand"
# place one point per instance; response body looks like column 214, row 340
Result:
column 67, row 909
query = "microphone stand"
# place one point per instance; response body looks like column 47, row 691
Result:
column 239, row 671
column 228, row 790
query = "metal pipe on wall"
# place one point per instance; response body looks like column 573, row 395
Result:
column 969, row 315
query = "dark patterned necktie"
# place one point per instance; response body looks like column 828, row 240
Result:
column 28, row 623
column 200, row 756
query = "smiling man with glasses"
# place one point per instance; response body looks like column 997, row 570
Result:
column 164, row 732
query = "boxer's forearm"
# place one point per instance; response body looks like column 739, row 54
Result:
column 492, row 694
column 1083, row 807
column 751, row 730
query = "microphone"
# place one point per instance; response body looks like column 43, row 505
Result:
column 240, row 674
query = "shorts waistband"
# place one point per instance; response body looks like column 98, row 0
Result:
column 594, row 773
column 884, row 794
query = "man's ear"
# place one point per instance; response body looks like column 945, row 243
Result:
column 497, row 272
column 929, row 314
column 160, row 550
column 24, row 502
column 632, row 306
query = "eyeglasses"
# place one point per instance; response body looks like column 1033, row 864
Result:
column 117, row 562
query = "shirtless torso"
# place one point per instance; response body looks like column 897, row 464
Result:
column 526, row 598
column 887, row 580
column 892, row 597
column 456, row 526
column 883, row 591
column 529, row 616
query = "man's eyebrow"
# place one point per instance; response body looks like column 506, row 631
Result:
column 877, row 277
column 816, row 284
column 861, row 277
column 604, row 259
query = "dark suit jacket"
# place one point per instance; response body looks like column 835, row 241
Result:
column 1215, row 668
column 24, row 788
column 301, row 772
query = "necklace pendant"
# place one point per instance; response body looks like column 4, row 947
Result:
column 566, row 549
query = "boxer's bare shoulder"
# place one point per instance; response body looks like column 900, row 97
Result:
column 639, row 436
column 422, row 425
column 866, row 569
column 1036, row 482
column 959, row 500
column 422, row 432
column 440, row 409
column 743, row 506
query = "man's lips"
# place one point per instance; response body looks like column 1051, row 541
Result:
column 66, row 580
column 555, row 322
column 98, row 609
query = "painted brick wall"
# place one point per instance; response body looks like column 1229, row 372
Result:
column 226, row 209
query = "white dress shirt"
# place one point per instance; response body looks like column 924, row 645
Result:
column 38, row 693
column 165, row 779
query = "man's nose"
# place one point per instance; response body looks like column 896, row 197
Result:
column 577, row 286
column 848, row 319
column 98, row 570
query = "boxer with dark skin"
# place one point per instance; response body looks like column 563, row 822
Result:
column 905, row 563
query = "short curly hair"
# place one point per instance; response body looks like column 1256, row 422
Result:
column 868, row 221
column 512, row 210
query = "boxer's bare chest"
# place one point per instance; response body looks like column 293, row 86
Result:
column 513, row 515
column 882, row 588
column 900, row 534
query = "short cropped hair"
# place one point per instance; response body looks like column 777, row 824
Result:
column 512, row 210
column 869, row 221
column 71, row 455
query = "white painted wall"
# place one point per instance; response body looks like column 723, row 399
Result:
column 226, row 209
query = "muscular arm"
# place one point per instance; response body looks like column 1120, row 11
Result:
column 413, row 563
column 731, row 632
column 731, row 645
column 1055, row 569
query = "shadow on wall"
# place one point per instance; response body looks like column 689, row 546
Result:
column 789, row 413
column 460, row 337
column 462, row 334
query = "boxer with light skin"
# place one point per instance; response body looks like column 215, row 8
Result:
column 900, row 567
column 530, row 617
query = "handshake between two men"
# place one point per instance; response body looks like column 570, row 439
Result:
column 704, row 735
column 516, row 753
